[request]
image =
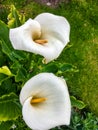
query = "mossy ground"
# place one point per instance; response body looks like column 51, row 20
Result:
column 83, row 18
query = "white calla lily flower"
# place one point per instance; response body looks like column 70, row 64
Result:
column 46, row 35
column 46, row 102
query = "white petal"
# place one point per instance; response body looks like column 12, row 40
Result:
column 57, row 30
column 47, row 26
column 54, row 26
column 56, row 110
column 22, row 37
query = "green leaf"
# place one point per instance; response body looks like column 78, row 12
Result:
column 6, row 44
column 21, row 75
column 77, row 103
column 7, row 86
column 67, row 67
column 2, row 58
column 2, row 78
column 5, row 70
column 5, row 125
column 11, row 53
column 50, row 68
column 15, row 19
column 4, row 32
column 10, row 109
column 16, row 65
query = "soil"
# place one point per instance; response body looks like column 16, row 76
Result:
column 51, row 3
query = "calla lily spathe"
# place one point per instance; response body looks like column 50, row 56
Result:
column 46, row 103
column 46, row 35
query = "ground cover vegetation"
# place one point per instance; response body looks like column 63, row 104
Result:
column 78, row 63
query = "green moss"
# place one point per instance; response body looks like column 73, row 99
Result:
column 84, row 52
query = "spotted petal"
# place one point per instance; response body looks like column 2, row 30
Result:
column 56, row 110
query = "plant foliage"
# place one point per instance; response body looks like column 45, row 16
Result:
column 16, row 67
